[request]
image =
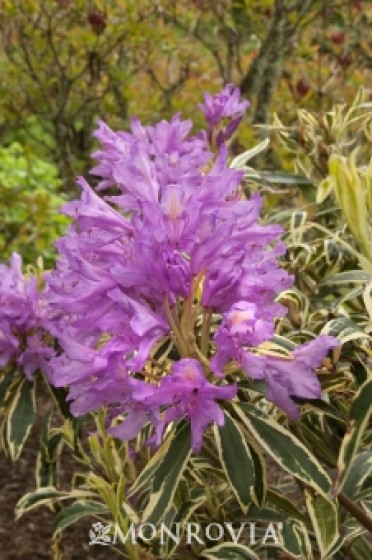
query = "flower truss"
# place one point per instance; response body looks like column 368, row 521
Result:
column 23, row 316
column 164, row 291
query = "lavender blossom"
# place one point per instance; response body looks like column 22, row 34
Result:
column 22, row 321
column 187, row 393
column 294, row 377
column 142, row 272
column 223, row 113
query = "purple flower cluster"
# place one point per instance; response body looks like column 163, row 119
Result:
column 145, row 273
column 22, row 320
column 223, row 113
column 242, row 330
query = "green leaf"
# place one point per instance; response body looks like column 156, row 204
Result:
column 348, row 277
column 332, row 251
column 239, row 161
column 351, row 194
column 5, row 382
column 47, row 470
column 48, row 456
column 229, row 551
column 197, row 498
column 344, row 328
column 169, row 473
column 360, row 549
column 351, row 294
column 284, row 504
column 72, row 513
column 339, row 542
column 265, row 514
column 59, row 395
column 360, row 470
column 285, row 449
column 298, row 219
column 367, row 295
column 144, row 480
column 283, row 178
column 359, row 414
column 259, row 490
column 324, row 189
column 325, row 408
column 47, row 495
column 20, row 417
column 284, row 342
column 236, row 460
column 324, row 517
column 36, row 498
column 295, row 541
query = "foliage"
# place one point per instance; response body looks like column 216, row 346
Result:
column 311, row 478
column 74, row 63
column 65, row 63
column 29, row 202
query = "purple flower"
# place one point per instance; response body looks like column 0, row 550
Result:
column 296, row 378
column 220, row 107
column 285, row 377
column 188, row 394
column 23, row 320
column 36, row 356
column 143, row 273
column 245, row 324
column 144, row 162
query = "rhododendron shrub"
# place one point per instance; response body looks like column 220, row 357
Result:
column 175, row 256
column 192, row 345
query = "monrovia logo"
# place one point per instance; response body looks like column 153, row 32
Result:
column 111, row 533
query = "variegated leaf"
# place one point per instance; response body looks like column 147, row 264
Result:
column 236, row 460
column 229, row 551
column 240, row 161
column 285, row 449
column 324, row 517
column 20, row 417
column 295, row 541
column 181, row 517
column 360, row 470
column 168, row 474
column 48, row 495
column 76, row 511
column 345, row 329
column 348, row 277
column 359, row 415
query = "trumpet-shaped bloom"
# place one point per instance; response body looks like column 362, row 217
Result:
column 285, row 377
column 22, row 320
column 221, row 107
column 175, row 239
column 185, row 393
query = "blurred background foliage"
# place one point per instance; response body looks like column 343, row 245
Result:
column 29, row 203
column 65, row 63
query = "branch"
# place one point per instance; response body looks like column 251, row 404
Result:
column 356, row 511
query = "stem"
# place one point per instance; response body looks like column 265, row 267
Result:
column 174, row 324
column 201, row 357
column 356, row 511
column 204, row 342
column 189, row 322
column 187, row 327
column 320, row 58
